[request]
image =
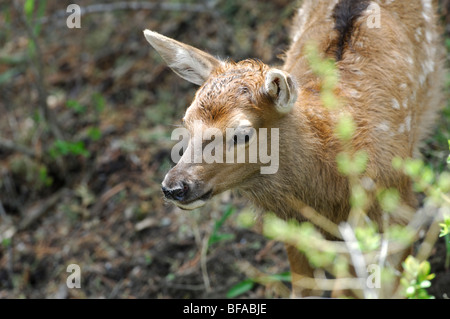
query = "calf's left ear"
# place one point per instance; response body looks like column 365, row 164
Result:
column 280, row 86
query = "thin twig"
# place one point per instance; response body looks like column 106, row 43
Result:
column 203, row 259
column 326, row 284
column 204, row 245
column 429, row 241
column 3, row 214
column 185, row 287
column 357, row 257
column 135, row 6
column 11, row 146
column 445, row 198
column 321, row 221
column 383, row 252
column 7, row 232
column 42, row 207
column 38, row 66
column 277, row 286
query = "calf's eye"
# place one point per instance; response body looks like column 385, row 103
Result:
column 243, row 135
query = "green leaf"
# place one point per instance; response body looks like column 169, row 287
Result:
column 43, row 176
column 404, row 282
column 400, row 234
column 8, row 75
column 346, row 127
column 444, row 230
column 6, row 242
column 430, row 277
column 285, row 276
column 368, row 238
column 215, row 238
column 246, row 219
column 413, row 167
column 360, row 162
column 327, row 71
column 29, row 8
column 397, row 163
column 99, row 102
column 76, row 106
column 94, row 133
column 445, row 227
column 389, row 199
column 411, row 265
column 424, row 270
column 40, row 14
column 352, row 165
column 62, row 148
column 344, row 163
column 410, row 291
column 240, row 288
column 444, row 182
column 228, row 212
column 448, row 159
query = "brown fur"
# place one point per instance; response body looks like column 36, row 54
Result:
column 390, row 78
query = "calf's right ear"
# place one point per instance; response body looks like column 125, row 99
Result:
column 188, row 62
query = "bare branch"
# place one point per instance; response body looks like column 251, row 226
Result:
column 42, row 207
column 264, row 279
column 203, row 259
column 39, row 70
column 3, row 213
column 321, row 221
column 136, row 5
column 357, row 259
column 11, row 146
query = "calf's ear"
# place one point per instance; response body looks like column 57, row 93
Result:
column 188, row 62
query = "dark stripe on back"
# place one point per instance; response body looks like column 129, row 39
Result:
column 345, row 13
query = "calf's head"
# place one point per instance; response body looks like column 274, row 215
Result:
column 228, row 133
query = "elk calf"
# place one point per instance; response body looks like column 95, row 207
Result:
column 390, row 78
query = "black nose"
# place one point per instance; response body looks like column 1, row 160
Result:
column 179, row 192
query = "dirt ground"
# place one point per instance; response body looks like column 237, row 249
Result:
column 105, row 212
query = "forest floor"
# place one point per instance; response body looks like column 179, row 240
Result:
column 105, row 211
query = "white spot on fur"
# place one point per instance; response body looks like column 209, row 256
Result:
column 408, row 123
column 418, row 34
column 426, row 17
column 427, row 10
column 427, row 6
column 413, row 97
column 354, row 93
column 302, row 17
column 409, row 59
column 429, row 36
column 405, row 103
column 384, row 126
column 401, row 129
column 403, row 86
column 422, row 79
column 428, row 66
column 395, row 104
